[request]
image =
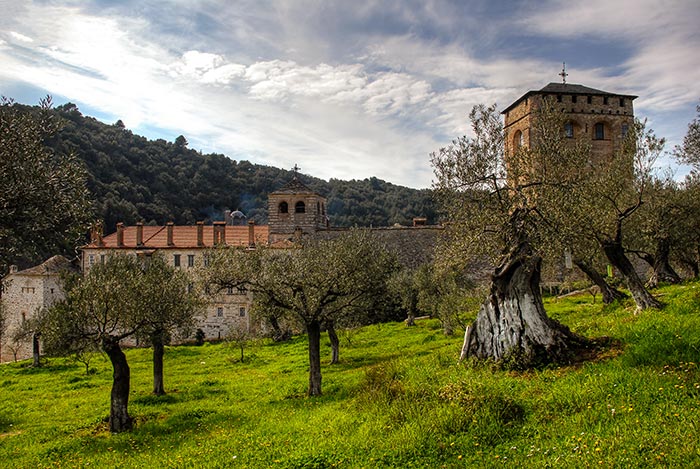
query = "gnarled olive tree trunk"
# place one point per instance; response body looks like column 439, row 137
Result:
column 661, row 264
column 610, row 293
column 616, row 255
column 512, row 326
column 119, row 419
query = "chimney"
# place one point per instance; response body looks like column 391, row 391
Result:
column 200, row 233
column 169, row 233
column 139, row 234
column 251, row 234
column 120, row 234
column 219, row 232
column 227, row 217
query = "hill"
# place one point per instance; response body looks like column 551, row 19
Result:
column 136, row 179
column 398, row 398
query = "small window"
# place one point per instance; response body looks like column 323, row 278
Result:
column 241, row 311
column 624, row 129
column 190, row 260
column 219, row 312
column 589, row 99
column 284, row 208
column 569, row 130
column 559, row 98
column 91, row 260
column 176, row 260
column 605, row 100
column 300, row 207
column 599, row 131
column 318, row 207
column 573, row 98
column 229, row 291
column 518, row 139
column 622, row 102
column 205, row 259
column 242, row 290
column 102, row 258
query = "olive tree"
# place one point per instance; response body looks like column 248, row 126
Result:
column 40, row 190
column 319, row 283
column 102, row 307
column 171, row 304
column 504, row 209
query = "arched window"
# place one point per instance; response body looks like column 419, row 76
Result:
column 599, row 131
column 569, row 130
column 284, row 208
column 318, row 207
column 518, row 140
column 300, row 207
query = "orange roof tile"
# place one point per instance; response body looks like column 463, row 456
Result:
column 184, row 237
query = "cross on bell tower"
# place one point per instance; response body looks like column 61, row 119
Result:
column 563, row 73
column 296, row 169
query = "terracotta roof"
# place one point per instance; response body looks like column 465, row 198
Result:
column 53, row 265
column 295, row 186
column 566, row 88
column 184, row 237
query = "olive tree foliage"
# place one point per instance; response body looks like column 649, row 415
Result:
column 689, row 151
column 44, row 202
column 507, row 210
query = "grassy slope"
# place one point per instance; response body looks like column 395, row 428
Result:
column 398, row 399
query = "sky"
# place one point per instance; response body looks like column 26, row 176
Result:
column 346, row 89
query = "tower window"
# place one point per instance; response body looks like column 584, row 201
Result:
column 219, row 312
column 599, row 131
column 589, row 99
column 569, row 130
column 573, row 98
column 605, row 100
column 622, row 102
column 624, row 129
column 300, row 207
column 518, row 139
column 284, row 208
column 558, row 98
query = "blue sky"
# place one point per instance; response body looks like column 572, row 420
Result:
column 345, row 89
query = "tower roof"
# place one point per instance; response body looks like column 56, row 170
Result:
column 566, row 88
column 295, row 186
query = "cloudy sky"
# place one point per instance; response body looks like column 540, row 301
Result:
column 347, row 89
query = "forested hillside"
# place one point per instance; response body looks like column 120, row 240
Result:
column 133, row 178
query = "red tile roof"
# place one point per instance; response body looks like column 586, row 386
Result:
column 184, row 237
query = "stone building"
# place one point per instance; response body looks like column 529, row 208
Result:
column 24, row 293
column 600, row 117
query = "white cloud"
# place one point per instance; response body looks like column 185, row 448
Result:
column 20, row 37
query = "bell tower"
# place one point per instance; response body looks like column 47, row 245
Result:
column 294, row 209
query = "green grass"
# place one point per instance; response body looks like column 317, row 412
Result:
column 399, row 398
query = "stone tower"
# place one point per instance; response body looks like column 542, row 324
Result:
column 600, row 117
column 294, row 209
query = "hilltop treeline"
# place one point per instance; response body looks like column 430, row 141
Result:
column 135, row 179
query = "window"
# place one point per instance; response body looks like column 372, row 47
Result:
column 624, row 129
column 206, row 260
column 622, row 102
column 28, row 290
column 190, row 260
column 573, row 98
column 229, row 291
column 569, row 130
column 558, row 98
column 219, row 312
column 284, row 208
column 176, row 260
column 599, row 131
column 589, row 99
column 91, row 260
column 102, row 258
column 300, row 207
column 242, row 290
column 518, row 139
column 241, row 311
column 605, row 100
